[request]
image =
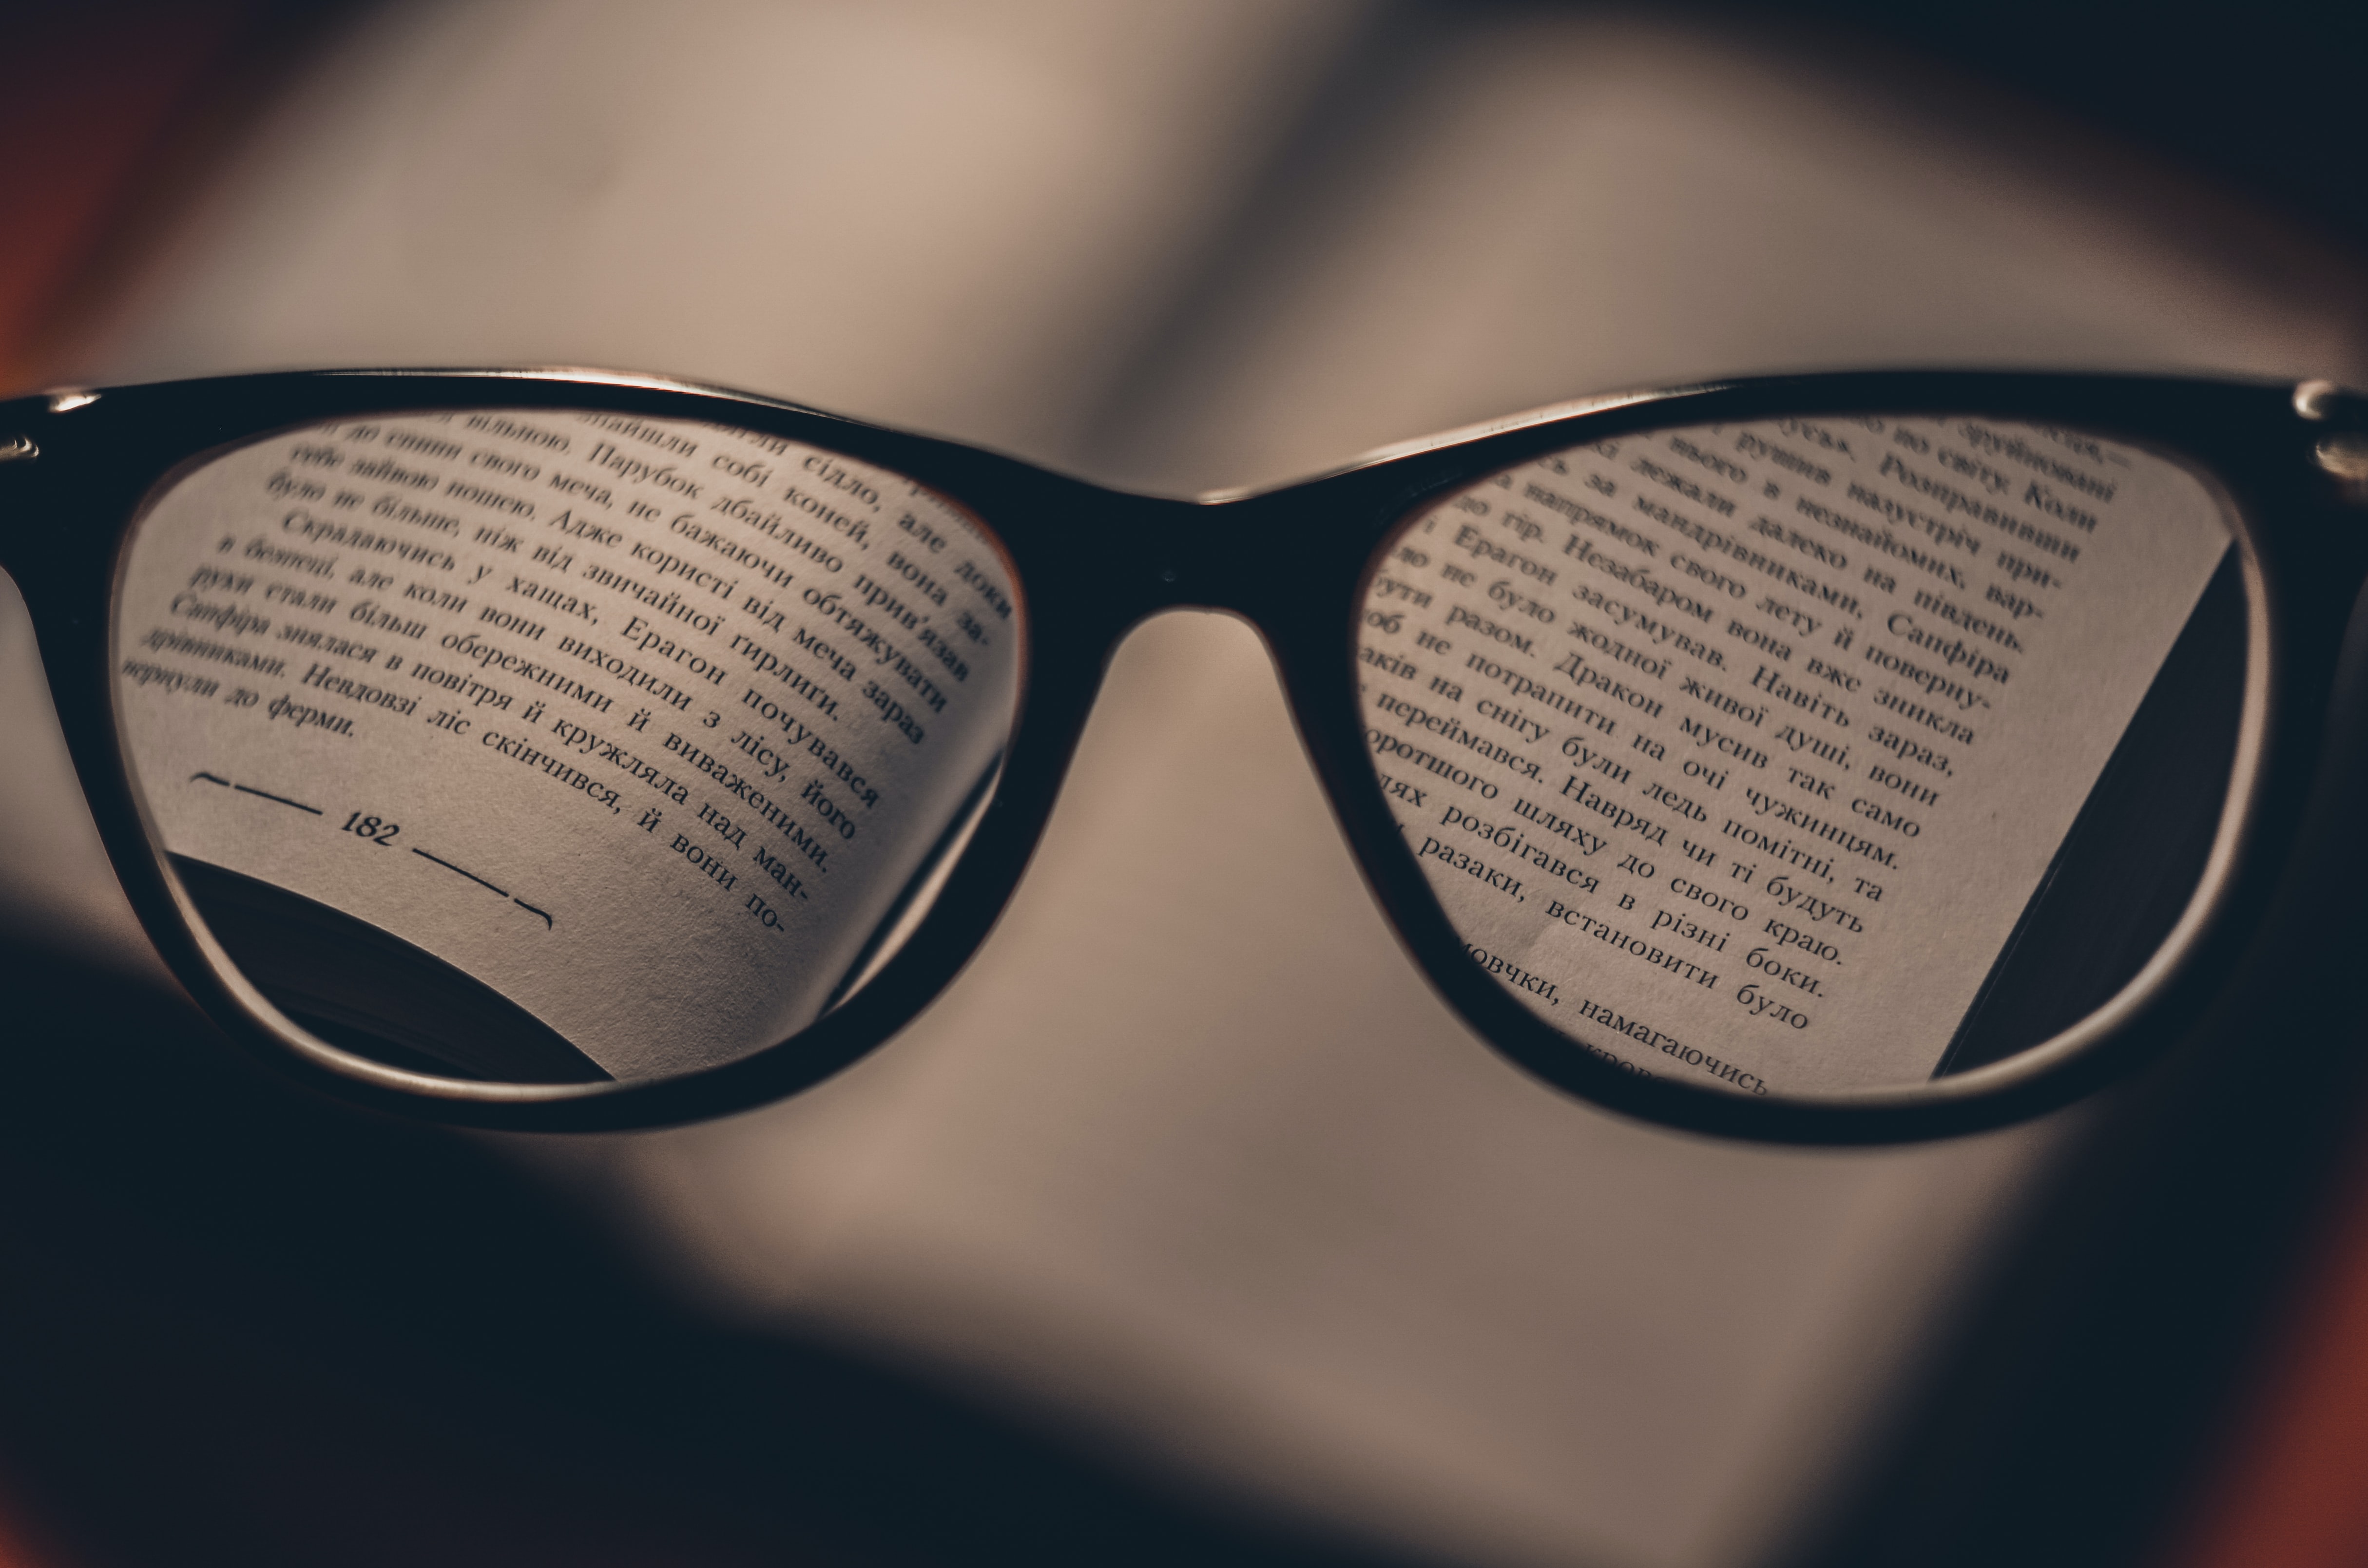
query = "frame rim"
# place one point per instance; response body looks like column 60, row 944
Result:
column 1185, row 553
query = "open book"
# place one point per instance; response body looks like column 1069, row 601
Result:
column 553, row 746
column 1214, row 1171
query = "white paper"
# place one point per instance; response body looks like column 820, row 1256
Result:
column 642, row 723
column 1737, row 752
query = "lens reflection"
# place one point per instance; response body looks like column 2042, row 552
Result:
column 1810, row 755
column 547, row 746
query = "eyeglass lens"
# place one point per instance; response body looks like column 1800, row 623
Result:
column 551, row 746
column 1798, row 757
column 1810, row 755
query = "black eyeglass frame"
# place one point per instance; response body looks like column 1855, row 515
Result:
column 1090, row 562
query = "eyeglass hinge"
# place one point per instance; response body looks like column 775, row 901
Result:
column 2340, row 454
column 2316, row 399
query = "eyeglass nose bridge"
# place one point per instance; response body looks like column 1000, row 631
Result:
column 1261, row 556
column 1143, row 554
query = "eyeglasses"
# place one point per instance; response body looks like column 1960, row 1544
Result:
column 1842, row 758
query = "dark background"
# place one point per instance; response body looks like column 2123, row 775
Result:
column 2263, row 97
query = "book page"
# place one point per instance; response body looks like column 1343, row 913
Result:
column 1737, row 752
column 1212, row 1171
column 647, row 724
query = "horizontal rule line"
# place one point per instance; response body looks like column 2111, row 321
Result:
column 471, row 875
column 259, row 794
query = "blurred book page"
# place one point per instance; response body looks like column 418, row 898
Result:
column 1189, row 1153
